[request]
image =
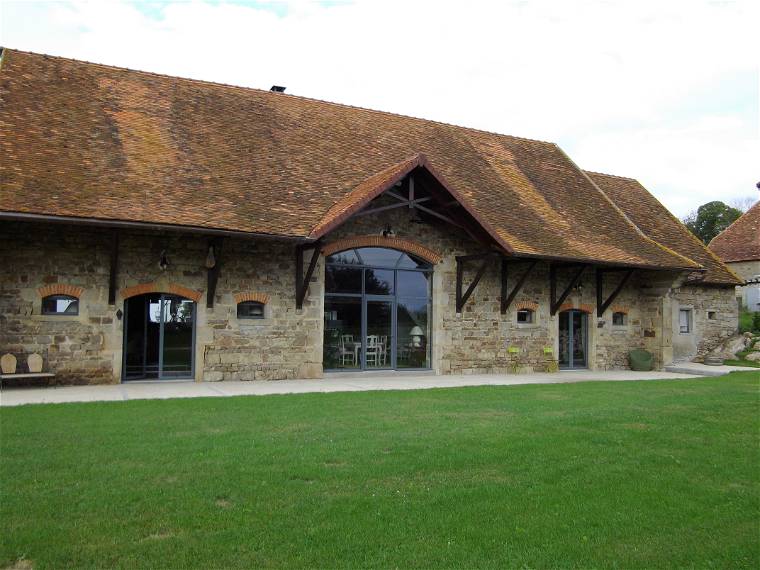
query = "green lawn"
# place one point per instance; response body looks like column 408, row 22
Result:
column 606, row 474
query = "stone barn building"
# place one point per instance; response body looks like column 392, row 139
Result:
column 153, row 227
column 739, row 248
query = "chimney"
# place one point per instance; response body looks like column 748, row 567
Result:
column 277, row 89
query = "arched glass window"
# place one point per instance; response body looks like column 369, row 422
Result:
column 526, row 316
column 377, row 310
column 250, row 310
column 60, row 305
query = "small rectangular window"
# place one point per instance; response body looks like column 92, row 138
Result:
column 524, row 316
column 619, row 319
column 711, row 315
column 684, row 321
column 250, row 310
column 60, row 305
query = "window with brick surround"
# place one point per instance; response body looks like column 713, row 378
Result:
column 526, row 316
column 619, row 319
column 250, row 310
column 60, row 305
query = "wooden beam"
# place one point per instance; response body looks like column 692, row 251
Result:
column 391, row 207
column 601, row 304
column 506, row 299
column 463, row 297
column 114, row 270
column 302, row 281
column 556, row 303
column 213, row 272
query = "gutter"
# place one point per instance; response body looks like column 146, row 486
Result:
column 123, row 224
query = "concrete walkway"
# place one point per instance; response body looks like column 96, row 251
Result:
column 342, row 382
column 705, row 370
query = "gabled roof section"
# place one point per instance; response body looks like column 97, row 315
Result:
column 97, row 142
column 741, row 240
column 384, row 180
column 656, row 221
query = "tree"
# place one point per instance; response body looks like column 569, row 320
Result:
column 710, row 219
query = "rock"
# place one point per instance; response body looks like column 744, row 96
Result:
column 729, row 347
column 753, row 356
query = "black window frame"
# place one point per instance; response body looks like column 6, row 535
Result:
column 59, row 313
column 251, row 304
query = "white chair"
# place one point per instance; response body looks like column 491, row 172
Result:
column 383, row 349
column 373, row 352
column 347, row 352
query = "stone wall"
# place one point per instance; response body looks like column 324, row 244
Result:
column 87, row 348
column 706, row 333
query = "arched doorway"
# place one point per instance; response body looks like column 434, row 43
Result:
column 159, row 337
column 573, row 339
column 377, row 310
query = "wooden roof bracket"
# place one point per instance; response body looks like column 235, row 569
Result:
column 215, row 245
column 461, row 260
column 302, row 281
column 556, row 303
column 508, row 297
column 603, row 304
column 114, row 267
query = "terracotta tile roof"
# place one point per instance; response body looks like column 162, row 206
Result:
column 741, row 240
column 93, row 141
column 657, row 222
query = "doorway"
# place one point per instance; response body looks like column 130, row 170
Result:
column 377, row 310
column 573, row 339
column 159, row 337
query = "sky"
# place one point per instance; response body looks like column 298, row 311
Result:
column 662, row 91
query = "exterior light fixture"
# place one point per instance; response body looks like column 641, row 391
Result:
column 163, row 261
column 388, row 232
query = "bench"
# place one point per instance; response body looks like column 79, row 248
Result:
column 34, row 364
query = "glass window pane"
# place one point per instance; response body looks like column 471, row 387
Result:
column 250, row 310
column 379, row 339
column 178, row 336
column 343, row 331
column 408, row 262
column 343, row 279
column 379, row 256
column 60, row 305
column 378, row 281
column 413, row 329
column 413, row 283
column 347, row 257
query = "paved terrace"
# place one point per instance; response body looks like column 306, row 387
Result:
column 337, row 382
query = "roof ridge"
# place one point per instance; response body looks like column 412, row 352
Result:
column 279, row 94
column 755, row 205
column 610, row 175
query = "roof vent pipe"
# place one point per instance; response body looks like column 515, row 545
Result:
column 277, row 89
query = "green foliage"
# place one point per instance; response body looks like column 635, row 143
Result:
column 710, row 219
column 756, row 322
column 656, row 474
column 749, row 321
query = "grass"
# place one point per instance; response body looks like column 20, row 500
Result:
column 607, row 474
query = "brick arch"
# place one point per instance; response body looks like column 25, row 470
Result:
column 60, row 289
column 532, row 305
column 404, row 245
column 262, row 298
column 154, row 287
column 583, row 307
column 620, row 309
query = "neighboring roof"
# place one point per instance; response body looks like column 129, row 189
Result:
column 741, row 240
column 93, row 141
column 658, row 223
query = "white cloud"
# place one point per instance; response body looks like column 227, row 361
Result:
column 665, row 91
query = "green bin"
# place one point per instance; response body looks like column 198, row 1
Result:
column 641, row 360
